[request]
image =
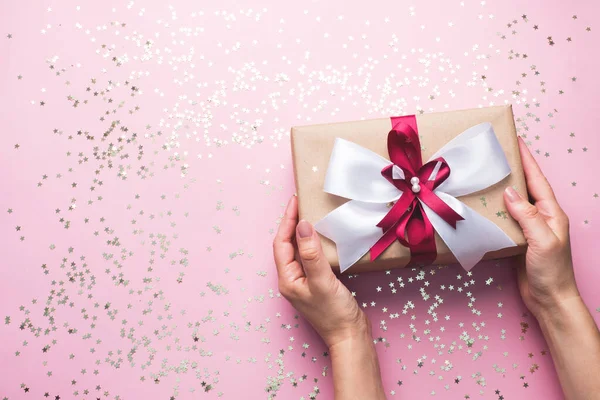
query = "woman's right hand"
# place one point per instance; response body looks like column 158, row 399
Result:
column 547, row 279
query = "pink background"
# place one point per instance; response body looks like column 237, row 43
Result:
column 138, row 264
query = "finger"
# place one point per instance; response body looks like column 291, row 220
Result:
column 315, row 264
column 283, row 244
column 535, row 228
column 541, row 192
column 537, row 184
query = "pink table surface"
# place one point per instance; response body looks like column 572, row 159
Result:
column 145, row 164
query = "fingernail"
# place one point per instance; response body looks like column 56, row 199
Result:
column 305, row 229
column 512, row 194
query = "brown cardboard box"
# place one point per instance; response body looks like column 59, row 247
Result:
column 312, row 145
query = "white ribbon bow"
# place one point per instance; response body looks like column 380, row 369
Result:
column 476, row 161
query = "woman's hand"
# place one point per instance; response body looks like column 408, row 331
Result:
column 547, row 285
column 546, row 280
column 307, row 281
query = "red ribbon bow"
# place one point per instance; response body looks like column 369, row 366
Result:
column 406, row 221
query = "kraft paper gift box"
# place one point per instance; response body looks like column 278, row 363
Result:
column 312, row 146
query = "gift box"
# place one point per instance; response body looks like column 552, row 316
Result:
column 347, row 187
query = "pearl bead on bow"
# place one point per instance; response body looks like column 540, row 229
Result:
column 414, row 181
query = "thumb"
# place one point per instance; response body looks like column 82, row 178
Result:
column 311, row 254
column 535, row 228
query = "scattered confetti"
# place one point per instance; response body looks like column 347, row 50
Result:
column 147, row 166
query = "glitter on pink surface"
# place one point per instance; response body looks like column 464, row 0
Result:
column 145, row 164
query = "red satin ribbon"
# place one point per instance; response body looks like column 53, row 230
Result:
column 406, row 221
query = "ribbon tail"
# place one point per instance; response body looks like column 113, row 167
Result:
column 383, row 243
column 353, row 228
column 439, row 206
column 473, row 237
